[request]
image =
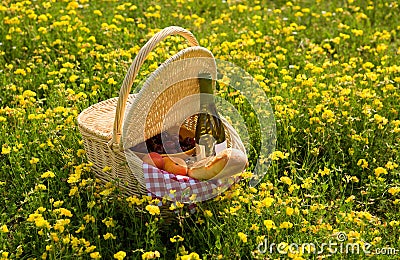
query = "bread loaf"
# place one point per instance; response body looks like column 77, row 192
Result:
column 228, row 162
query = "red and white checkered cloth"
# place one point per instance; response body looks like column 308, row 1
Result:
column 161, row 184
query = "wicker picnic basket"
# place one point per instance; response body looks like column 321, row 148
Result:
column 105, row 126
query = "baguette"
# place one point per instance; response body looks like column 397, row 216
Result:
column 228, row 162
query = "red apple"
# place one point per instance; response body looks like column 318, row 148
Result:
column 154, row 159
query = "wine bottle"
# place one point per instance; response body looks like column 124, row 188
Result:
column 210, row 132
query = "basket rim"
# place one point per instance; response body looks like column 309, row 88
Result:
column 110, row 103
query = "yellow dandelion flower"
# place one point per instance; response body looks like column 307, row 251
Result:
column 357, row 32
column 368, row 65
column 42, row 18
column 63, row 212
column 80, row 229
column 179, row 205
column 278, row 155
column 98, row 12
column 48, row 174
column 329, row 115
column 324, row 172
column 73, row 78
column 289, row 211
column 200, row 221
column 394, row 190
column 73, row 191
column 134, row 200
column 91, row 204
column 89, row 218
column 363, row 163
column 153, row 210
column 80, row 152
column 20, row 72
column 391, row 165
column 95, row 255
column 254, row 227
column 4, row 229
column 193, row 197
column 380, row 119
column 5, row 150
column 90, row 249
column 109, row 236
column 120, row 255
column 286, row 225
column 151, row 255
column 267, row 202
column 111, row 81
column 307, row 183
column 34, row 160
column 269, row 224
column 286, row 180
column 293, row 188
column 208, row 213
column 107, row 169
column 191, row 256
column 242, row 237
column 60, row 224
column 41, row 222
column 58, row 203
column 172, row 207
column 40, row 187
column 73, row 178
column 41, row 209
column 141, row 26
column 380, row 170
column 107, row 192
column 350, row 199
column 109, row 222
column 176, row 238
column 315, row 207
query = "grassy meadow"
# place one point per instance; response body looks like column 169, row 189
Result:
column 330, row 69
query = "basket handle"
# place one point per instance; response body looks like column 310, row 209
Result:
column 134, row 69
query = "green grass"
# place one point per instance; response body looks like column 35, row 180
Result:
column 331, row 72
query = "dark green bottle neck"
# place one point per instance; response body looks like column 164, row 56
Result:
column 205, row 83
column 206, row 89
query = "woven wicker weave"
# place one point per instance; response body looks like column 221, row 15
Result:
column 103, row 126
